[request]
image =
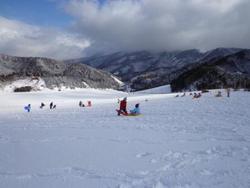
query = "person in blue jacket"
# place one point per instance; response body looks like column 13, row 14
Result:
column 27, row 108
column 136, row 110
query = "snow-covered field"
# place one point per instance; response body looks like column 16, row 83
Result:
column 176, row 143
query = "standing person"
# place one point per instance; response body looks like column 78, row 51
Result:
column 123, row 107
column 51, row 105
column 80, row 104
column 228, row 92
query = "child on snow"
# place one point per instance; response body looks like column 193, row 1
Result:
column 136, row 110
column 52, row 106
column 81, row 104
column 196, row 96
column 123, row 107
column 27, row 108
column 219, row 94
column 42, row 105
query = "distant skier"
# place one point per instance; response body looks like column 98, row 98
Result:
column 89, row 104
column 123, row 107
column 218, row 94
column 183, row 95
column 51, row 105
column 228, row 92
column 80, row 103
column 54, row 106
column 136, row 110
column 196, row 95
column 42, row 105
column 28, row 108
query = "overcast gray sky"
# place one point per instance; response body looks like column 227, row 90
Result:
column 95, row 26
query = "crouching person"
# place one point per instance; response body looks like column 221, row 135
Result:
column 27, row 108
column 136, row 110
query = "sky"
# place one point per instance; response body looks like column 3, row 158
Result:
column 65, row 29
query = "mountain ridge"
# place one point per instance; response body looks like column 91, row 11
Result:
column 54, row 73
column 144, row 69
column 230, row 71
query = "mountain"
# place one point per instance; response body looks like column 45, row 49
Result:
column 139, row 70
column 143, row 69
column 230, row 71
column 136, row 63
column 51, row 73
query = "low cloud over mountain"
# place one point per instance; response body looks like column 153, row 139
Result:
column 107, row 26
column 162, row 24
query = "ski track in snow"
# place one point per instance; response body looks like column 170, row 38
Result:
column 177, row 142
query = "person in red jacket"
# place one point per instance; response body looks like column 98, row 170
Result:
column 123, row 107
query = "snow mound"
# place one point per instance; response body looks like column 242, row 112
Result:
column 36, row 83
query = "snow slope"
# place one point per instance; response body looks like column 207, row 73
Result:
column 176, row 143
column 157, row 90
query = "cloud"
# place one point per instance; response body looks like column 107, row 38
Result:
column 21, row 39
column 162, row 24
column 129, row 25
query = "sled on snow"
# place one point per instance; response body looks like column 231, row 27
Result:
column 128, row 114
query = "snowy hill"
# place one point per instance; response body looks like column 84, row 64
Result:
column 157, row 90
column 176, row 142
column 53, row 74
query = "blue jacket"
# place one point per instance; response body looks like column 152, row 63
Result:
column 135, row 111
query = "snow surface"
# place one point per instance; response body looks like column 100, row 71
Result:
column 157, row 90
column 176, row 143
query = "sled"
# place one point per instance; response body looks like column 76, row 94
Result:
column 129, row 115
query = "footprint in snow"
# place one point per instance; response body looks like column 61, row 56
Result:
column 140, row 155
column 206, row 172
column 153, row 161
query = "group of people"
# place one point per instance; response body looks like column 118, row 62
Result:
column 183, row 95
column 196, row 95
column 51, row 106
column 81, row 104
column 123, row 108
column 219, row 94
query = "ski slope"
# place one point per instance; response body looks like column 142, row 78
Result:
column 176, row 143
column 158, row 90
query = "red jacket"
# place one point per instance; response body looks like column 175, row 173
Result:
column 123, row 105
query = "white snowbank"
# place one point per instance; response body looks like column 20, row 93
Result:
column 36, row 84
